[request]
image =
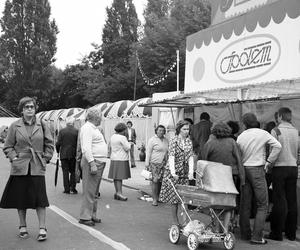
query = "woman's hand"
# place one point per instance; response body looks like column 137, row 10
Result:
column 175, row 176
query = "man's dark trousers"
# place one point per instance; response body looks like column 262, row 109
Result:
column 284, row 211
column 68, row 169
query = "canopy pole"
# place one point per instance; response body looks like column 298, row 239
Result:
column 173, row 117
column 177, row 52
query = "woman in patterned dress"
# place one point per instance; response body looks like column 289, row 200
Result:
column 180, row 166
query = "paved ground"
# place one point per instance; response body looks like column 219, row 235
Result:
column 134, row 224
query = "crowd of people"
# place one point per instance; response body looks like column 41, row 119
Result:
column 259, row 158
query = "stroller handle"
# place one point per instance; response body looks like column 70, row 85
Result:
column 181, row 201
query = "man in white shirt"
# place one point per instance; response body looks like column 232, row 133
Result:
column 94, row 154
column 252, row 143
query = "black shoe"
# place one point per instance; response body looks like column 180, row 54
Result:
column 66, row 192
column 87, row 222
column 96, row 220
column 291, row 238
column 133, row 166
column 272, row 237
column 120, row 197
column 74, row 191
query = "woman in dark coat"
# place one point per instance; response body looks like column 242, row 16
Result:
column 223, row 148
column 29, row 147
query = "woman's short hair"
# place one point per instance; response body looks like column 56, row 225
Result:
column 179, row 125
column 285, row 114
column 93, row 114
column 23, row 101
column 250, row 120
column 234, row 125
column 120, row 127
column 160, row 126
column 221, row 130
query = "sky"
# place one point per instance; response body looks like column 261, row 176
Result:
column 80, row 23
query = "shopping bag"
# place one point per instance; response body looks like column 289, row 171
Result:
column 146, row 174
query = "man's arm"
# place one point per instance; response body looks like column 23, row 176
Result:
column 133, row 136
column 86, row 143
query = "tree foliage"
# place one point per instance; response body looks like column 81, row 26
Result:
column 167, row 23
column 116, row 55
column 27, row 49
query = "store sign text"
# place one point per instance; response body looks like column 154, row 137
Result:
column 247, row 58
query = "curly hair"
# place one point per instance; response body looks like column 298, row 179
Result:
column 120, row 127
column 221, row 130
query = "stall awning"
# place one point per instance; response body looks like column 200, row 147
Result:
column 283, row 89
column 262, row 16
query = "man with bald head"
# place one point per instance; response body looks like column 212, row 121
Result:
column 94, row 154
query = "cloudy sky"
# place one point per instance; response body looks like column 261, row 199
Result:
column 80, row 23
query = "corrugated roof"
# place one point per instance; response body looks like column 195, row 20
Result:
column 281, row 89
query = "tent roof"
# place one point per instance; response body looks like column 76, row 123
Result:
column 281, row 89
column 275, row 11
column 6, row 113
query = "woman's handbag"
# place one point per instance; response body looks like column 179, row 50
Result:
column 146, row 174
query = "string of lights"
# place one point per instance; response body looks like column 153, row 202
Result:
column 158, row 79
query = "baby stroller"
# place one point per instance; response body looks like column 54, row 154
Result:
column 215, row 191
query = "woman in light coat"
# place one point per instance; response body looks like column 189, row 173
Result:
column 119, row 159
column 29, row 147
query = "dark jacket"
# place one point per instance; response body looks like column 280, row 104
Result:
column 199, row 135
column 226, row 151
column 133, row 135
column 67, row 142
column 22, row 149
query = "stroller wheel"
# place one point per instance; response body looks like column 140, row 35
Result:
column 174, row 234
column 192, row 241
column 229, row 241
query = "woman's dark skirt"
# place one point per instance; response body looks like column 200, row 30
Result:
column 26, row 191
column 119, row 170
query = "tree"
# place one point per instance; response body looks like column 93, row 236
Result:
column 167, row 23
column 27, row 49
column 77, row 85
column 115, row 57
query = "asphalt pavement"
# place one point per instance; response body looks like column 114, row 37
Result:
column 134, row 224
